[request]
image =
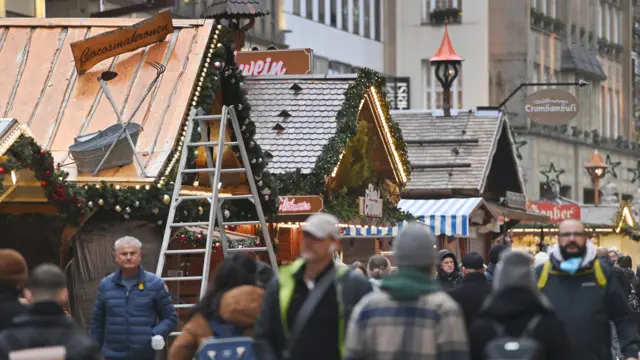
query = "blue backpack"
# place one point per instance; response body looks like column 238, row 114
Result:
column 227, row 343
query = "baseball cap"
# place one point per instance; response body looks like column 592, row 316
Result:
column 472, row 260
column 322, row 226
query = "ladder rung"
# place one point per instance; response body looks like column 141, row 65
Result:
column 202, row 223
column 195, row 197
column 239, row 223
column 212, row 143
column 236, row 197
column 182, row 278
column 207, row 117
column 196, row 171
column 249, row 249
column 185, row 251
column 175, row 333
column 183, row 306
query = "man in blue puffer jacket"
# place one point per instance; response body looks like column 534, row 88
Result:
column 133, row 311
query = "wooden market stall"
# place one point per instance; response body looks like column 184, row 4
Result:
column 331, row 145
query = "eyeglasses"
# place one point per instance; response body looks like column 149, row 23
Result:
column 572, row 234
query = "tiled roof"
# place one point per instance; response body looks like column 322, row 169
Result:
column 312, row 121
column 223, row 9
column 424, row 126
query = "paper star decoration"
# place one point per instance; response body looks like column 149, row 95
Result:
column 635, row 172
column 518, row 144
column 551, row 175
column 612, row 165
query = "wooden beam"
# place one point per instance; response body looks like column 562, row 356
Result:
column 3, row 8
column 65, row 238
column 22, row 208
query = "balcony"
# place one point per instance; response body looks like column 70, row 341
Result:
column 439, row 16
column 606, row 48
column 547, row 23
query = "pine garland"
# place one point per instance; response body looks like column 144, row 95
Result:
column 198, row 239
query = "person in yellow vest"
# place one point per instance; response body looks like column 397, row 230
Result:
column 586, row 294
column 306, row 309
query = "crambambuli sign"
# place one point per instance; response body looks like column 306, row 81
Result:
column 551, row 107
column 89, row 52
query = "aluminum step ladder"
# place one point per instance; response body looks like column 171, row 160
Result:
column 216, row 218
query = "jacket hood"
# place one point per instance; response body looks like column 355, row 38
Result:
column 408, row 284
column 512, row 301
column 442, row 254
column 241, row 305
column 589, row 255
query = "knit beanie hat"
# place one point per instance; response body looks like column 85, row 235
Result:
column 514, row 270
column 415, row 246
column 13, row 268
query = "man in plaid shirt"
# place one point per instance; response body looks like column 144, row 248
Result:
column 411, row 318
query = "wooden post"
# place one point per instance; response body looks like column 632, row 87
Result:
column 3, row 8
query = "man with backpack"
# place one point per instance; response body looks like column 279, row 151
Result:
column 306, row 309
column 586, row 295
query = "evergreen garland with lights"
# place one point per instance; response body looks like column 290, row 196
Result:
column 198, row 239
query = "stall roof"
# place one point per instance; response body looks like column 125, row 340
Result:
column 41, row 88
column 452, row 153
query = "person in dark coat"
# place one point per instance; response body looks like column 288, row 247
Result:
column 513, row 303
column 587, row 296
column 448, row 273
column 494, row 255
column 13, row 275
column 46, row 324
column 475, row 287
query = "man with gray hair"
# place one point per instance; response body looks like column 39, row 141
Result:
column 46, row 324
column 133, row 311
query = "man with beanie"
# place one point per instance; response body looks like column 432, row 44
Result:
column 494, row 255
column 513, row 306
column 411, row 317
column 46, row 324
column 587, row 295
column 306, row 308
column 475, row 287
column 13, row 276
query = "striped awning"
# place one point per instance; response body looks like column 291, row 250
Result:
column 444, row 216
column 372, row 231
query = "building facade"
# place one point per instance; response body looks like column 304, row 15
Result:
column 506, row 43
column 344, row 34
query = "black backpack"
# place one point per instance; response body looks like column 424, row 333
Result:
column 506, row 347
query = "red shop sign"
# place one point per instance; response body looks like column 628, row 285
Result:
column 555, row 212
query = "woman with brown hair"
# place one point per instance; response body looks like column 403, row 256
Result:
column 378, row 268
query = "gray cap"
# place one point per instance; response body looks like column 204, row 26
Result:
column 514, row 270
column 415, row 246
column 322, row 226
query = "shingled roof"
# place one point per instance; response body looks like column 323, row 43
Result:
column 295, row 116
column 451, row 153
column 225, row 9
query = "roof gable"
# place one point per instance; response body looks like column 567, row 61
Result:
column 503, row 170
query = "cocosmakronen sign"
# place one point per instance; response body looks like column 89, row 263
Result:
column 551, row 107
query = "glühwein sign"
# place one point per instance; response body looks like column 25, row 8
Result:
column 551, row 107
column 275, row 62
column 300, row 205
column 89, row 52
column 555, row 212
column 370, row 204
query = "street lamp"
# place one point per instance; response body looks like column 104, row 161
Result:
column 597, row 168
column 447, row 67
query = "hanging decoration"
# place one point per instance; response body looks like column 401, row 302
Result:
column 635, row 172
column 517, row 144
column 198, row 239
column 611, row 166
column 552, row 176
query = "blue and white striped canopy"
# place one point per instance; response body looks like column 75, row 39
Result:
column 444, row 216
column 372, row 231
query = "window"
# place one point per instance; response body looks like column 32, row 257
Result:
column 438, row 11
column 334, row 13
column 309, row 9
column 367, row 18
column 321, row 12
column 296, row 7
column 600, row 19
column 356, row 16
column 616, row 18
column 377, row 21
column 433, row 93
column 345, row 15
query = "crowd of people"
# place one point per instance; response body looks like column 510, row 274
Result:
column 575, row 301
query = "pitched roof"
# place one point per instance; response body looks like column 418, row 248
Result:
column 449, row 153
column 307, row 114
column 224, row 9
column 42, row 90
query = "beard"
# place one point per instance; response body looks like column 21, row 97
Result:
column 582, row 249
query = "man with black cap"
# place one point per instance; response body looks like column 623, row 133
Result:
column 13, row 276
column 475, row 287
column 410, row 317
column 494, row 256
column 306, row 308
